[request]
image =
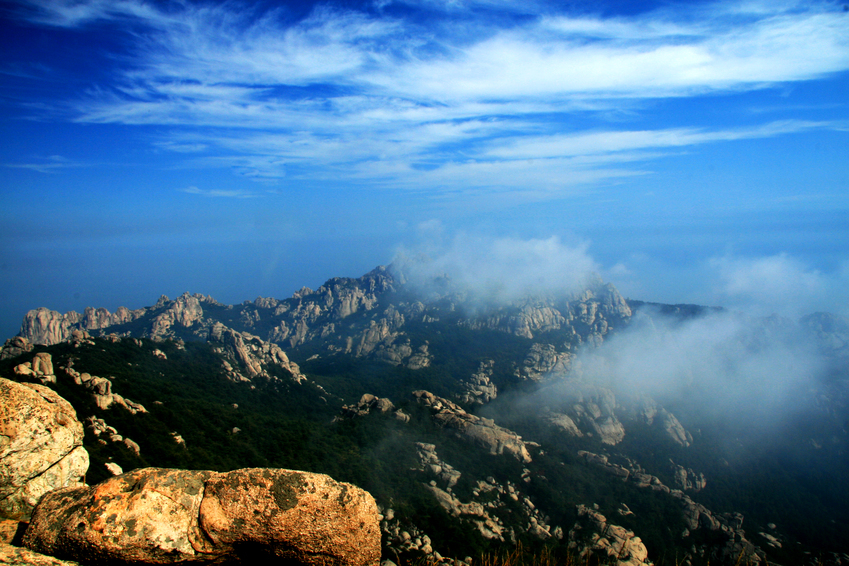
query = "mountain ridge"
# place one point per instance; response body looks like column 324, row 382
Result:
column 473, row 422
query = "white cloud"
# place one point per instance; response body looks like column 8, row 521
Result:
column 497, row 269
column 49, row 164
column 746, row 371
column 779, row 283
column 219, row 193
column 349, row 91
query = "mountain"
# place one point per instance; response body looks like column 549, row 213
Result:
column 579, row 423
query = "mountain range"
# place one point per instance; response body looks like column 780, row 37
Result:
column 577, row 424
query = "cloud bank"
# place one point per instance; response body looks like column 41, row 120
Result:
column 495, row 270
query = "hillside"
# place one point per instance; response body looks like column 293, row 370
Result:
column 669, row 434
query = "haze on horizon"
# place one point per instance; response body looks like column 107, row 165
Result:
column 687, row 152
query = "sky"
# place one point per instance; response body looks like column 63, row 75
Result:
column 687, row 152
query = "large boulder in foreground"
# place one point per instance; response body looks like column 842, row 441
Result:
column 17, row 556
column 162, row 516
column 40, row 446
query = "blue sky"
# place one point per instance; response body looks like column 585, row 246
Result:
column 686, row 151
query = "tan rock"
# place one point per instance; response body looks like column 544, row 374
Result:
column 162, row 516
column 17, row 556
column 9, row 530
column 477, row 430
column 42, row 364
column 14, row 347
column 44, row 326
column 40, row 446
column 143, row 516
column 304, row 517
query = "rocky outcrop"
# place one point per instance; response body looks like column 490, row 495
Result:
column 105, row 434
column 479, row 389
column 41, row 368
column 477, row 430
column 584, row 408
column 184, row 311
column 101, row 391
column 686, row 479
column 593, row 535
column 430, row 463
column 590, row 314
column 310, row 315
column 161, row 516
column 14, row 347
column 673, row 428
column 367, row 404
column 247, row 356
column 40, row 446
column 543, row 359
column 45, row 326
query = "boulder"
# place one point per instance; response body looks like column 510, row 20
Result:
column 143, row 516
column 291, row 516
column 17, row 556
column 40, row 446
column 14, row 347
column 162, row 516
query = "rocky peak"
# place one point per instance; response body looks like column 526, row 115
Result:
column 247, row 356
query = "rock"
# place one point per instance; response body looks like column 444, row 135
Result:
column 157, row 516
column 40, row 446
column 589, row 408
column 185, row 311
column 478, row 430
column 674, row 429
column 44, row 326
column 251, row 355
column 134, row 447
column 564, row 423
column 543, row 359
column 17, row 556
column 421, row 359
column 368, row 402
column 429, row 461
column 687, row 479
column 144, row 516
column 479, row 389
column 42, row 366
column 14, row 347
column 593, row 535
column 114, row 468
column 296, row 516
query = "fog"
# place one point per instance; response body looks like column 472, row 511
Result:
column 751, row 372
column 496, row 271
column 740, row 363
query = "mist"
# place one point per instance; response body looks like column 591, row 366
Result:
column 757, row 373
column 496, row 271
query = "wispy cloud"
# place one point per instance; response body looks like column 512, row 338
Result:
column 50, row 164
column 192, row 190
column 450, row 101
